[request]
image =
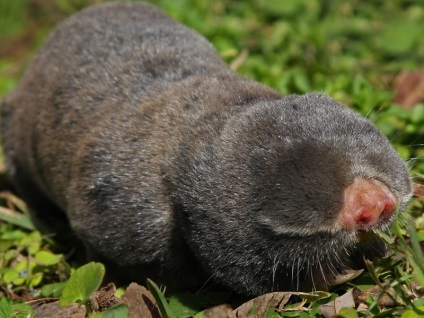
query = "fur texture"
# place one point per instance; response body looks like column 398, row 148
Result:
column 170, row 166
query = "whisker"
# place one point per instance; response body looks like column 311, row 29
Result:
column 414, row 145
column 398, row 134
column 297, row 274
column 274, row 268
column 417, row 178
column 204, row 285
column 370, row 111
column 312, row 277
column 292, row 273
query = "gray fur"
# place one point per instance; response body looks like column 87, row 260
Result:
column 170, row 166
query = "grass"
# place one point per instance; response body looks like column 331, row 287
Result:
column 351, row 50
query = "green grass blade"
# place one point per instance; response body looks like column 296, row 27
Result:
column 16, row 218
column 163, row 305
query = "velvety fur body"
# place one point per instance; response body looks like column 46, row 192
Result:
column 170, row 166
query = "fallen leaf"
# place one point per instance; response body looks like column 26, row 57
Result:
column 54, row 310
column 419, row 191
column 409, row 88
column 362, row 308
column 239, row 60
column 333, row 307
column 140, row 302
column 258, row 307
column 340, row 278
column 221, row 311
column 383, row 300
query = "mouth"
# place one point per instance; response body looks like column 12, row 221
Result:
column 364, row 236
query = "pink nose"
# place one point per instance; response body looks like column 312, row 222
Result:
column 366, row 202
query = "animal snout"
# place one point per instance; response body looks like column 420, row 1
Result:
column 366, row 203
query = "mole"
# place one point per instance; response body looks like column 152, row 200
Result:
column 169, row 166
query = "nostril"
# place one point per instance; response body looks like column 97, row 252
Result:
column 363, row 218
column 390, row 207
column 366, row 203
column 389, row 210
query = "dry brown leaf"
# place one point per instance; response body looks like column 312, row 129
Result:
column 221, row 311
column 239, row 60
column 333, row 308
column 419, row 191
column 362, row 308
column 375, row 291
column 340, row 278
column 140, row 302
column 54, row 310
column 258, row 307
column 333, row 279
column 409, row 88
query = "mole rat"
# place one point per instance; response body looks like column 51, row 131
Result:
column 170, row 166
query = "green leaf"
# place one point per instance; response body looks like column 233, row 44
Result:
column 83, row 282
column 180, row 309
column 417, row 114
column 117, row 311
column 35, row 240
column 10, row 275
column 387, row 238
column 6, row 310
column 301, row 82
column 9, row 308
column 282, row 7
column 13, row 235
column 52, row 290
column 293, row 314
column 270, row 313
column 119, row 292
column 25, row 268
column 186, row 305
column 199, row 314
column 348, row 313
column 18, row 281
column 400, row 36
column 417, row 312
column 163, row 305
column 417, row 251
column 35, row 280
column 9, row 254
column 324, row 300
column 16, row 218
column 48, row 258
column 418, row 303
